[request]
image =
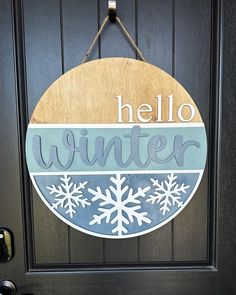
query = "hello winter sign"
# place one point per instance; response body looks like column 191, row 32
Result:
column 116, row 148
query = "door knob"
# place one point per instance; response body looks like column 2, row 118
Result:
column 7, row 288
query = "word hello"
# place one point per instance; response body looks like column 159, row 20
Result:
column 147, row 109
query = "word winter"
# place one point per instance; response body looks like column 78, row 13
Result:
column 156, row 144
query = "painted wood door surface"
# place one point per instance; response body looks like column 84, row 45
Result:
column 191, row 40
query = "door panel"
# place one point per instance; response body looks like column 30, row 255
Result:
column 11, row 189
column 52, row 34
column 43, row 64
column 191, row 67
column 39, row 41
column 183, row 239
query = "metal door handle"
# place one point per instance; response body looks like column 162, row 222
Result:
column 6, row 246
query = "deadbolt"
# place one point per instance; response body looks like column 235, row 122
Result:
column 6, row 245
column 7, row 288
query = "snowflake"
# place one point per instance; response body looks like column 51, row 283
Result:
column 68, row 195
column 167, row 193
column 118, row 205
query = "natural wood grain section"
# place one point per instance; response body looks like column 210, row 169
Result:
column 86, row 94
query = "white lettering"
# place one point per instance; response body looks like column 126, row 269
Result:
column 159, row 108
column 121, row 107
column 191, row 109
column 144, row 108
column 170, row 112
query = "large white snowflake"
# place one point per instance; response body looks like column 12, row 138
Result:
column 68, row 195
column 167, row 193
column 119, row 205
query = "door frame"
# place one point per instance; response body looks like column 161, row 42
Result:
column 210, row 277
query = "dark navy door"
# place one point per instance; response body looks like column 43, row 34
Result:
column 192, row 40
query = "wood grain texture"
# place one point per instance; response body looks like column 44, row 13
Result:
column 78, row 95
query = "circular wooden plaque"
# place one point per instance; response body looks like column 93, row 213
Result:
column 116, row 148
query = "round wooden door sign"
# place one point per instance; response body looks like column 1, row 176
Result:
column 116, row 148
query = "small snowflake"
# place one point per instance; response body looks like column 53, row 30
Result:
column 167, row 193
column 118, row 205
column 68, row 195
